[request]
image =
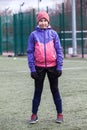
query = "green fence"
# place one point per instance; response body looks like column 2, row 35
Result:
column 23, row 23
column 15, row 29
column 0, row 37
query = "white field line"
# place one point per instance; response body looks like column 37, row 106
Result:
column 71, row 68
column 7, row 71
column 27, row 71
column 75, row 68
column 72, row 61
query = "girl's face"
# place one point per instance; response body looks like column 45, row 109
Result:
column 43, row 23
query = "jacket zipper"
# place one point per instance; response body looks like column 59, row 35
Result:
column 45, row 50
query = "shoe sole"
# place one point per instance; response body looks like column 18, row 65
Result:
column 57, row 121
column 33, row 122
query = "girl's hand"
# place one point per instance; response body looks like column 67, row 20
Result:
column 58, row 73
column 34, row 75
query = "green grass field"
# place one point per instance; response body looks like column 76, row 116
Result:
column 16, row 92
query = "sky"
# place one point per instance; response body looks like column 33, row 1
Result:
column 14, row 5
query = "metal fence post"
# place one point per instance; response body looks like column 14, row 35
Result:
column 63, row 25
column 82, row 35
column 15, row 33
column 60, row 21
column 74, row 40
column 0, row 37
column 21, row 33
column 6, row 24
column 34, row 19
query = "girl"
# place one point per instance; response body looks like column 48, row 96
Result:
column 45, row 57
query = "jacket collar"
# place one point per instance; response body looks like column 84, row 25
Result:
column 39, row 29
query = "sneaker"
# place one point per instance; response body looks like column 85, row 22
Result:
column 59, row 118
column 34, row 119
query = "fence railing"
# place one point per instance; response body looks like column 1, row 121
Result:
column 81, row 42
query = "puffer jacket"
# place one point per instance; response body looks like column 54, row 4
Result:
column 44, row 49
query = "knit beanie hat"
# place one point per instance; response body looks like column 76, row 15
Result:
column 41, row 15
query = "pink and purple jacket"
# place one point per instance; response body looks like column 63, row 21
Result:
column 44, row 49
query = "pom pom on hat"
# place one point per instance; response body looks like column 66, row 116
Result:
column 41, row 15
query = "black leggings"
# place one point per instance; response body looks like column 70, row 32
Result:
column 53, row 87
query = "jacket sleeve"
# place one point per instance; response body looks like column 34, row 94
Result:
column 59, row 52
column 30, row 53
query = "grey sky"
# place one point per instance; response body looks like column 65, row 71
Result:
column 14, row 5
